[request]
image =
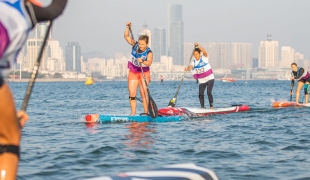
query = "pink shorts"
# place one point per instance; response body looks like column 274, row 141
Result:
column 137, row 76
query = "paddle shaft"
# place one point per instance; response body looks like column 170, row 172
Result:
column 292, row 86
column 190, row 59
column 35, row 70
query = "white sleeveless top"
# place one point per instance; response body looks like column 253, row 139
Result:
column 202, row 70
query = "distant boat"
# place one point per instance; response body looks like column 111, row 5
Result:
column 226, row 79
column 89, row 81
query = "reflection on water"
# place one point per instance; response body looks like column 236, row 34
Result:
column 140, row 135
column 92, row 127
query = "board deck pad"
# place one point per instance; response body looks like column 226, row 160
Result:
column 200, row 112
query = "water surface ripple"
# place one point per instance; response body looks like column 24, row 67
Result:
column 264, row 143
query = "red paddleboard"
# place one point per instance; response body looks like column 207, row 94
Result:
column 284, row 104
column 199, row 112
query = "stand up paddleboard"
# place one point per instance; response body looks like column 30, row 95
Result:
column 199, row 112
column 288, row 104
column 188, row 171
column 105, row 118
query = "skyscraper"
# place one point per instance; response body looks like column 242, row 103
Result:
column 73, row 57
column 268, row 53
column 33, row 47
column 175, row 34
column 288, row 56
column 159, row 44
column 242, row 54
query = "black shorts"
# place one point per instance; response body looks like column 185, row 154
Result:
column 1, row 80
column 305, row 80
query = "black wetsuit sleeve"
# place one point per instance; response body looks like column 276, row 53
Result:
column 50, row 12
column 301, row 72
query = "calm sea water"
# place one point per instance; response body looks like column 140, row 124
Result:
column 264, row 143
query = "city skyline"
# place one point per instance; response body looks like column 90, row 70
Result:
column 101, row 29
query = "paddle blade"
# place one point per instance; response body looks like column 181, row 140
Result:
column 172, row 102
column 153, row 110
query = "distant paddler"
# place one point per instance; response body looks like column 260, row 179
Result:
column 202, row 72
column 161, row 79
column 303, row 78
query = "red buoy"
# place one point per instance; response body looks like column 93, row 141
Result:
column 88, row 118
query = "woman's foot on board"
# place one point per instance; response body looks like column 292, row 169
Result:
column 144, row 114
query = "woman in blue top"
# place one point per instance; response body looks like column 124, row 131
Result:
column 141, row 55
column 17, row 18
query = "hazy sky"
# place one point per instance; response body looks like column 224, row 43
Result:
column 98, row 25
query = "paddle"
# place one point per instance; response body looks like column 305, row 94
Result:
column 152, row 107
column 292, row 86
column 173, row 101
column 35, row 70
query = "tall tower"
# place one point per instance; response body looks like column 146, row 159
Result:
column 159, row 44
column 288, row 56
column 147, row 32
column 34, row 45
column 175, row 34
column 73, row 57
column 268, row 53
column 242, row 54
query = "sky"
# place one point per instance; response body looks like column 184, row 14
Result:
column 99, row 25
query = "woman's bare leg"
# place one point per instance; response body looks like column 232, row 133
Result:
column 9, row 133
column 132, row 89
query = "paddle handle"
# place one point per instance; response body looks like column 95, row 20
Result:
column 35, row 69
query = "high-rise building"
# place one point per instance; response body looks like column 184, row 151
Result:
column 55, row 56
column 188, row 51
column 224, row 55
column 33, row 47
column 299, row 58
column 242, row 55
column 73, row 57
column 175, row 43
column 40, row 30
column 268, row 53
column 146, row 31
column 254, row 63
column 158, row 44
column 287, row 56
column 213, row 54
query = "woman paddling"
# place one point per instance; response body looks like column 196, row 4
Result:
column 142, row 55
column 17, row 18
column 303, row 78
column 203, row 73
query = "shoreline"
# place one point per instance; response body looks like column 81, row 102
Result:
column 107, row 80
